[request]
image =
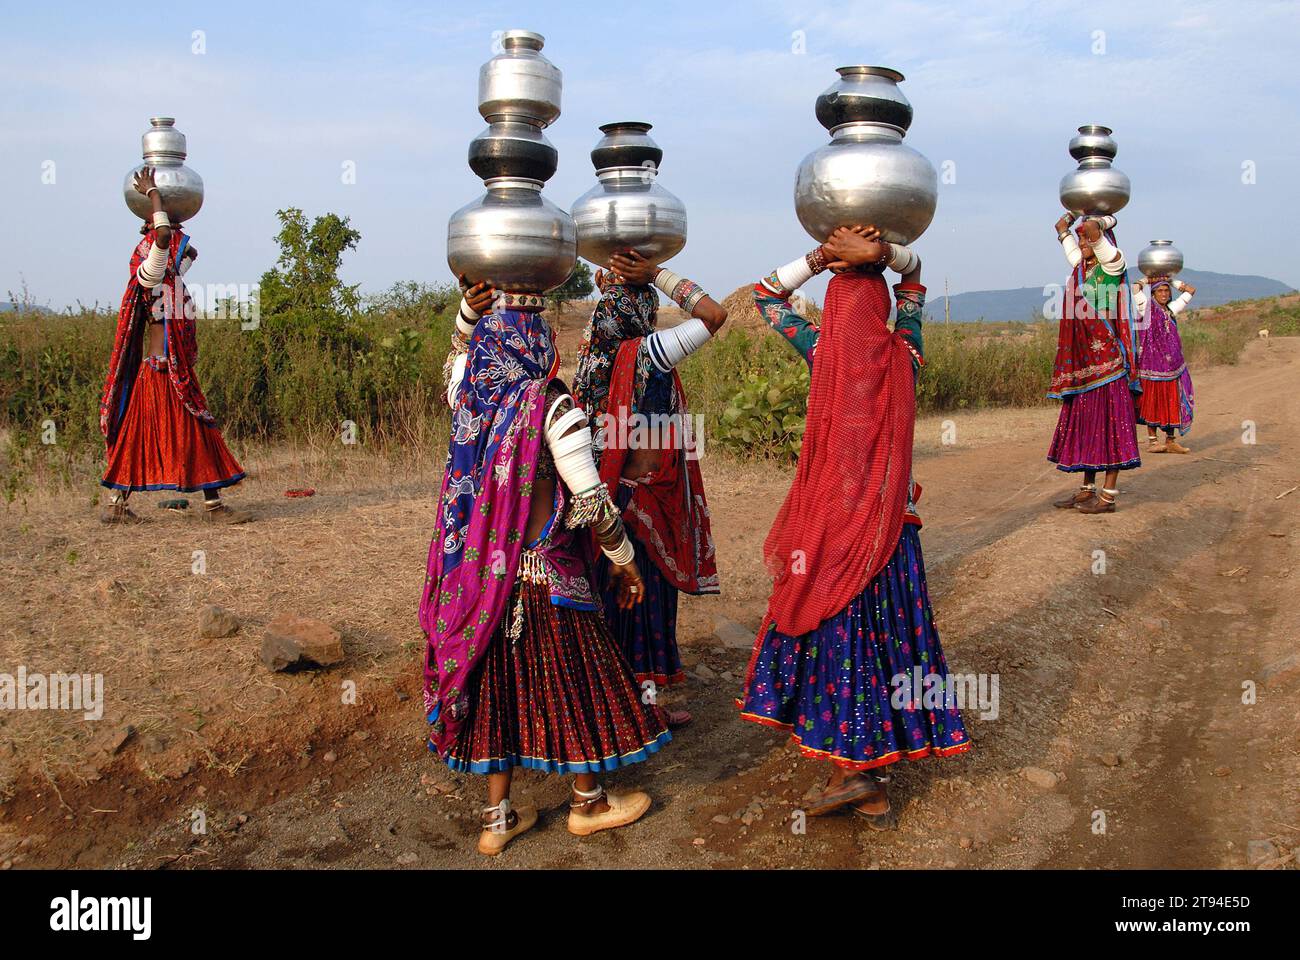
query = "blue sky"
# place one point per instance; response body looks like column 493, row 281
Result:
column 286, row 94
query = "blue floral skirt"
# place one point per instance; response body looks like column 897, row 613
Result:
column 854, row 691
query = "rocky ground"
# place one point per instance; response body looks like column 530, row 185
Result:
column 1148, row 715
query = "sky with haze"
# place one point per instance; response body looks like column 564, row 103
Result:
column 1203, row 97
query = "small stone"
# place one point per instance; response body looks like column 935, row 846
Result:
column 330, row 756
column 1282, row 670
column 109, row 589
column 360, row 734
column 732, row 635
column 727, row 677
column 1230, row 609
column 407, row 859
column 403, row 696
column 1222, row 771
column 1043, row 779
column 1109, row 759
column 216, row 622
column 112, row 742
column 1259, row 851
column 8, row 864
column 705, row 673
column 698, row 841
column 721, row 818
column 293, row 641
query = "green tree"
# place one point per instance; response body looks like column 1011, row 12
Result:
column 303, row 289
column 579, row 286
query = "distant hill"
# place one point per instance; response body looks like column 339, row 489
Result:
column 1026, row 303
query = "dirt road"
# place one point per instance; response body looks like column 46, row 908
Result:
column 1158, row 702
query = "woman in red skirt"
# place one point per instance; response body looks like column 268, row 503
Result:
column 157, row 428
column 1166, row 400
column 520, row 667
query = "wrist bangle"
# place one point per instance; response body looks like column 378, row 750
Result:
column 153, row 190
column 816, row 260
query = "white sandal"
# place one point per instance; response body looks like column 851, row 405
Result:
column 497, row 828
column 624, row 808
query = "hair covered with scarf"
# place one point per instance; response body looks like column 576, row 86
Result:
column 169, row 302
column 1094, row 345
column 841, row 521
column 483, row 506
column 614, row 382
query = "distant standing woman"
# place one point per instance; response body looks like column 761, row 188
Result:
column 159, row 432
column 1166, row 400
column 1094, row 369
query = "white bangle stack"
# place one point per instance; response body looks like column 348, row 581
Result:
column 466, row 319
column 623, row 554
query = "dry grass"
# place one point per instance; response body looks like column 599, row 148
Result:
column 123, row 602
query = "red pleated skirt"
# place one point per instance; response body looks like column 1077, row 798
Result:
column 1158, row 404
column 162, row 446
column 560, row 698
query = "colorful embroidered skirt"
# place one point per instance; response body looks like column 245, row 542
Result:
column 1096, row 431
column 560, row 698
column 839, row 689
column 1164, row 404
column 648, row 632
column 162, row 446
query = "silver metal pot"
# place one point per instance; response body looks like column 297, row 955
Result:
column 867, row 94
column 1160, row 258
column 627, row 208
column 514, row 237
column 513, row 149
column 163, row 148
column 1096, row 187
column 519, row 83
column 866, row 174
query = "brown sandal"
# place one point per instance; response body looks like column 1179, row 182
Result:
column 851, row 790
column 878, row 821
column 1082, row 495
column 120, row 513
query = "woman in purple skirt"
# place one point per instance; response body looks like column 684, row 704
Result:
column 1094, row 370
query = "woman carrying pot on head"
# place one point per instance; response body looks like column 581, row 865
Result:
column 627, row 382
column 157, row 427
column 520, row 667
column 1095, row 371
column 1166, row 400
column 848, row 658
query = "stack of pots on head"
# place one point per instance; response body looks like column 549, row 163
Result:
column 163, row 147
column 512, row 236
column 1095, row 188
column 1160, row 259
column 866, row 175
column 628, row 209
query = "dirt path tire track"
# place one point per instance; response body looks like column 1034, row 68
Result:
column 1134, row 663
